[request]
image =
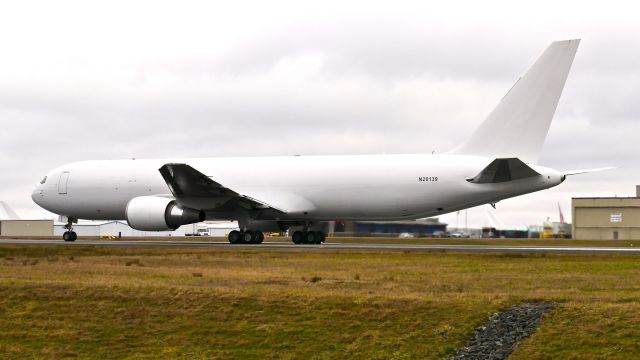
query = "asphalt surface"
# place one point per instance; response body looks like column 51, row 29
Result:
column 332, row 246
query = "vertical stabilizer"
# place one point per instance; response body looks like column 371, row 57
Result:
column 7, row 213
column 519, row 124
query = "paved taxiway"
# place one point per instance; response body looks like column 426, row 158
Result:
column 333, row 246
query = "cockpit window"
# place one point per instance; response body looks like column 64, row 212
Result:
column 43, row 180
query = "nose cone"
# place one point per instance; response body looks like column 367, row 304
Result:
column 36, row 195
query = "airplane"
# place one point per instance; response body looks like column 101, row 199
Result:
column 302, row 193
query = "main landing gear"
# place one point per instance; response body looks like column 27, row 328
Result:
column 256, row 237
column 69, row 235
column 308, row 237
column 246, row 237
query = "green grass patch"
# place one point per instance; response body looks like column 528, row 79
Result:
column 61, row 302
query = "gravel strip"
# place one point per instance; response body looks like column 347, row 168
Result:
column 503, row 332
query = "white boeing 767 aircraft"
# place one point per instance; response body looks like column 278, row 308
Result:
column 499, row 161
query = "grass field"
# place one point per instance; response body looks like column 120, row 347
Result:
column 389, row 240
column 86, row 302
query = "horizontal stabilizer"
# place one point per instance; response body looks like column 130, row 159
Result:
column 501, row 170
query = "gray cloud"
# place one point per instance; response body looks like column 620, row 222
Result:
column 331, row 79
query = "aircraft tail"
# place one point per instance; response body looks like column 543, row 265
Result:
column 7, row 213
column 519, row 124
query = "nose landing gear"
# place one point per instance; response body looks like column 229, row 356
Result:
column 70, row 235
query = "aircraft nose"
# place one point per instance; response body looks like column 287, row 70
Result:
column 36, row 195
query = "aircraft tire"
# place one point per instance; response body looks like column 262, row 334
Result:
column 320, row 237
column 69, row 236
column 311, row 237
column 297, row 237
column 234, row 237
column 257, row 237
column 246, row 237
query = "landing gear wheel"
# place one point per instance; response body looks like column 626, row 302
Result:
column 257, row 237
column 69, row 236
column 246, row 237
column 297, row 237
column 320, row 237
column 234, row 237
column 311, row 238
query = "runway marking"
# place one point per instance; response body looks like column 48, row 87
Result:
column 333, row 246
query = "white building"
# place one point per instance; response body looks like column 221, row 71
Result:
column 121, row 228
column 221, row 228
column 112, row 228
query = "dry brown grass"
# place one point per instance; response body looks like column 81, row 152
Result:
column 96, row 302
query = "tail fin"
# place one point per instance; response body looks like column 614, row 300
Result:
column 519, row 124
column 7, row 213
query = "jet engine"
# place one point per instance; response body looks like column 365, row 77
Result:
column 154, row 213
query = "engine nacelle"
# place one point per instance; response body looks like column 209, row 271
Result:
column 154, row 213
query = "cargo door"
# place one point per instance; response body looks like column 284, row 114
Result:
column 62, row 184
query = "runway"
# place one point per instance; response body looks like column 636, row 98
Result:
column 330, row 246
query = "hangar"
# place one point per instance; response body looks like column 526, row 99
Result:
column 26, row 227
column 110, row 228
column 422, row 227
column 119, row 228
column 12, row 225
column 606, row 218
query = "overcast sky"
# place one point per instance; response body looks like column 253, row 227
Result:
column 110, row 80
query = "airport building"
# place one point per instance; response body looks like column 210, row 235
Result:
column 109, row 229
column 121, row 229
column 423, row 227
column 26, row 228
column 606, row 218
column 12, row 225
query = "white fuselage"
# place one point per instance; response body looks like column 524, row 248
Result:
column 314, row 188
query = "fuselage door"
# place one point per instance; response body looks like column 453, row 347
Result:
column 62, row 184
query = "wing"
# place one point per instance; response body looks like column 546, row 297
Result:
column 186, row 183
